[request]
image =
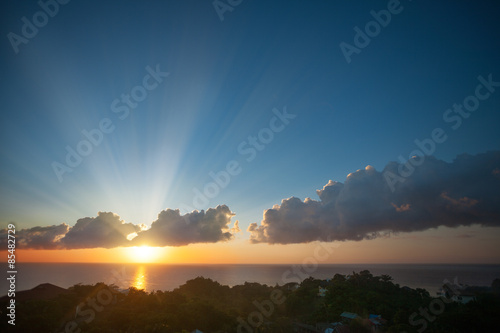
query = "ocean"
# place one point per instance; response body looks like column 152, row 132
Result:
column 167, row 277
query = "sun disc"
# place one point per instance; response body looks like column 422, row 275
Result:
column 144, row 253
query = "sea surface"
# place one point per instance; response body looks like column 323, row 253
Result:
column 168, row 277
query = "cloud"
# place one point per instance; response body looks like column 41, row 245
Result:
column 464, row 192
column 107, row 230
column 465, row 236
column 173, row 229
column 37, row 237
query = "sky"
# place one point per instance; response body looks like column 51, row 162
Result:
column 251, row 131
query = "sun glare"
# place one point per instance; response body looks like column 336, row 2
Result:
column 144, row 254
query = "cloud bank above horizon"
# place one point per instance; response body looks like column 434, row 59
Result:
column 107, row 230
column 401, row 198
column 369, row 204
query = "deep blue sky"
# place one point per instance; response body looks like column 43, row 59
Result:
column 225, row 79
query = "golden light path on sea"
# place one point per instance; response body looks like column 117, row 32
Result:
column 140, row 278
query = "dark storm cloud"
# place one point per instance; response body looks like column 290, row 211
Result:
column 464, row 192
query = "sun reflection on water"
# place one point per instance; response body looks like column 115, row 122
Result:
column 140, row 279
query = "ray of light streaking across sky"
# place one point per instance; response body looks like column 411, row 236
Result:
column 254, row 132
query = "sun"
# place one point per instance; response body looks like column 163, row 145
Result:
column 145, row 254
